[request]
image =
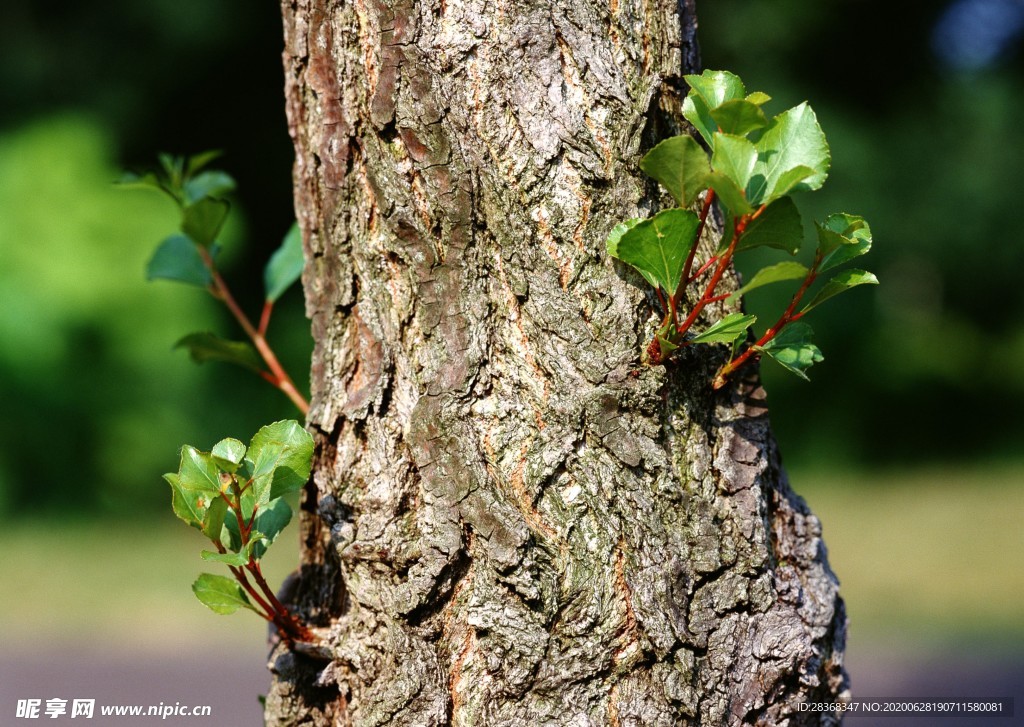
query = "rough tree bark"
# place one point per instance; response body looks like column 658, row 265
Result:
column 512, row 521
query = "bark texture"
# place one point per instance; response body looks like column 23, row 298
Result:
column 511, row 520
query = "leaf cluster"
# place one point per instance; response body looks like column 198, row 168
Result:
column 752, row 165
column 233, row 494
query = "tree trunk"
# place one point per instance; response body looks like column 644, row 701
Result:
column 512, row 521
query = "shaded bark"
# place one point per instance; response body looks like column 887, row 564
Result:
column 511, row 520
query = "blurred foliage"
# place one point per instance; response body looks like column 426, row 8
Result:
column 95, row 401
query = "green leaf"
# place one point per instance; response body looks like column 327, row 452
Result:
column 792, row 349
column 658, row 247
column 203, row 220
column 840, row 284
column 789, row 180
column 213, row 183
column 788, row 270
column 285, row 265
column 239, row 557
column 733, row 197
column 228, row 454
column 841, row 238
column 195, row 486
column 220, row 593
column 200, row 160
column 739, row 117
column 198, row 473
column 666, row 346
column 707, row 92
column 696, row 111
column 210, row 347
column 279, row 460
column 759, row 98
column 726, row 330
column 174, row 168
column 270, row 521
column 716, row 87
column 177, row 259
column 734, row 157
column 680, row 165
column 612, row 243
column 214, row 520
column 779, row 226
column 793, row 139
column 185, row 508
column 147, row 181
column 236, row 559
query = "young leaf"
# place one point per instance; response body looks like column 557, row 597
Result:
column 779, row 226
column 680, row 165
column 235, row 559
column 787, row 270
column 174, row 168
column 716, row 87
column 612, row 243
column 213, row 522
column 149, row 180
column 209, row 347
column 202, row 220
column 285, row 265
column 758, row 98
column 792, row 349
column 726, row 330
column 213, row 183
column 696, row 111
column 228, row 454
column 734, row 157
column 666, row 346
column 200, row 160
column 658, row 247
column 278, row 460
column 739, row 117
column 198, row 473
column 184, row 507
column 789, row 180
column 793, row 139
column 177, row 259
column 195, row 486
column 841, row 238
column 708, row 91
column 840, row 284
column 270, row 521
column 220, row 594
column 733, row 197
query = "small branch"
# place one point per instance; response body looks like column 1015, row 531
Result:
column 739, row 227
column 685, row 279
column 290, row 627
column 787, row 317
column 278, row 376
column 703, row 269
column 268, row 308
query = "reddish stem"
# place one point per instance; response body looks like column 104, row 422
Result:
column 278, row 376
column 703, row 269
column 723, row 263
column 268, row 308
column 684, row 279
column 787, row 317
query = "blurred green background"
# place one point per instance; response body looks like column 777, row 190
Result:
column 908, row 443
